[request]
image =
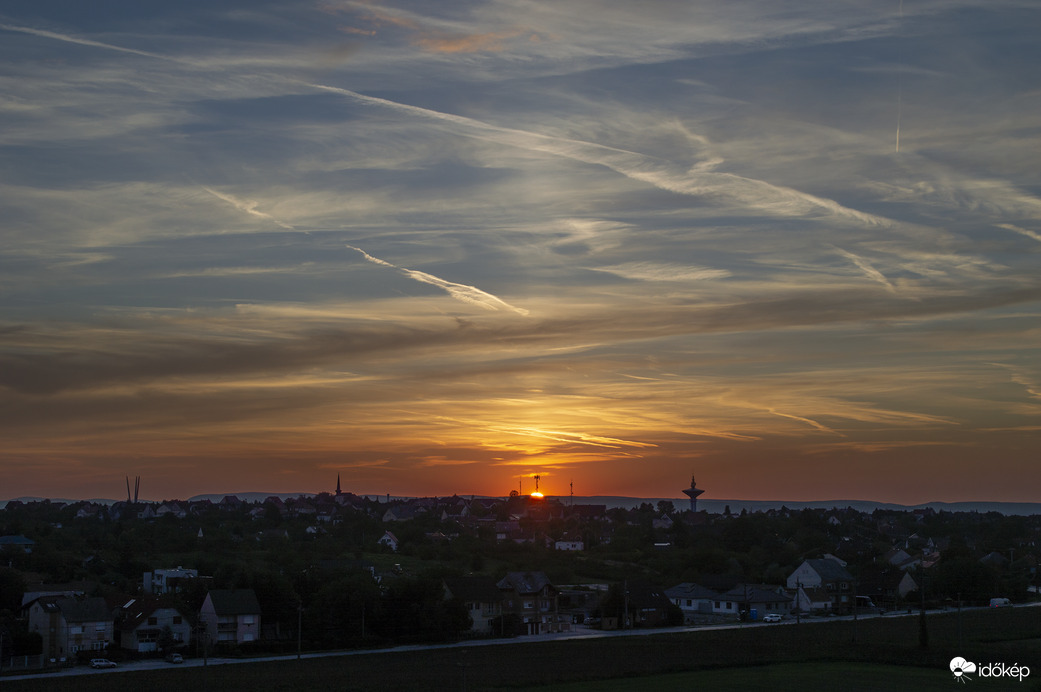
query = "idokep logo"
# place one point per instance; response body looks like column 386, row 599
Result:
column 962, row 669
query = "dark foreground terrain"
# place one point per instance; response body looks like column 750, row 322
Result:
column 887, row 652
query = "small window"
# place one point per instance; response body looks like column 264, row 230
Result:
column 153, row 621
column 177, row 620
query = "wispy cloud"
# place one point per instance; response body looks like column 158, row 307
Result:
column 866, row 267
column 66, row 38
column 754, row 194
column 663, row 271
column 461, row 292
column 1034, row 235
column 249, row 207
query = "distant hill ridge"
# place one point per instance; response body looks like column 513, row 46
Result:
column 709, row 505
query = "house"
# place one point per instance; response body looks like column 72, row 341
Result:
column 648, row 606
column 692, row 599
column 89, row 510
column 810, row 599
column 172, row 508
column 70, row 625
column 826, row 574
column 144, row 623
column 164, row 581
column 571, row 543
column 76, row 589
column 16, row 544
column 664, row 522
column 231, row 615
column 532, row 598
column 885, row 584
column 755, row 600
column 390, row 540
column 230, row 502
column 482, row 599
column 400, row 513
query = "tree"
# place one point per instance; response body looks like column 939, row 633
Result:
column 166, row 640
column 12, row 584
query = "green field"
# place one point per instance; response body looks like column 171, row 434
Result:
column 875, row 654
column 798, row 677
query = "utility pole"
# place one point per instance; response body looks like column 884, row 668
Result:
column 299, row 622
column 798, row 602
column 855, row 599
column 923, row 630
column 625, row 612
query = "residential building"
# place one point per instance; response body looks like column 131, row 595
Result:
column 164, row 581
column 482, row 599
column 648, row 606
column 692, row 600
column 17, row 543
column 571, row 543
column 827, row 574
column 532, row 598
column 143, row 625
column 231, row 615
column 756, row 600
column 70, row 625
column 390, row 540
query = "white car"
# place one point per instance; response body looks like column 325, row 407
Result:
column 101, row 663
column 772, row 617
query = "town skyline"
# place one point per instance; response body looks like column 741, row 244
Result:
column 442, row 248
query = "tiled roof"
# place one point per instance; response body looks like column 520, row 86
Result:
column 473, row 589
column 525, row 582
column 234, row 601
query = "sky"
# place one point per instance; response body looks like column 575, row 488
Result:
column 789, row 248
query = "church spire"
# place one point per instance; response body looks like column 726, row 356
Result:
column 338, row 485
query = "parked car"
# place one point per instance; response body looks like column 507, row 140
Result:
column 1000, row 603
column 772, row 617
column 174, row 658
column 101, row 663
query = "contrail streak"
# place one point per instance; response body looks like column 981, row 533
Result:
column 694, row 182
column 84, row 42
column 865, row 266
column 1021, row 231
column 697, row 181
column 808, row 421
column 461, row 292
column 248, row 207
column 899, row 109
